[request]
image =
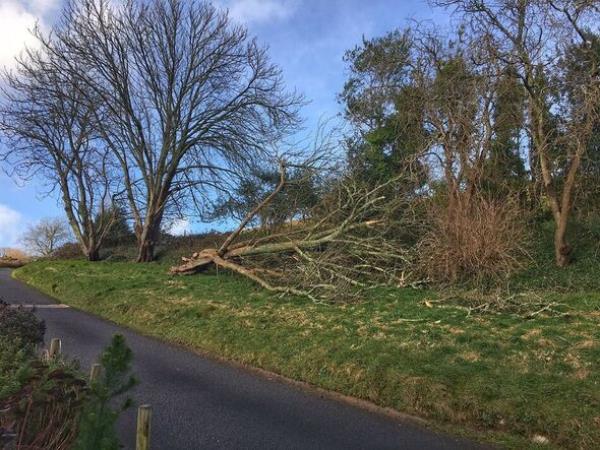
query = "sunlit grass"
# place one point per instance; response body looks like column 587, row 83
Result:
column 498, row 376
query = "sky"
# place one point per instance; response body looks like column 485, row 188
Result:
column 306, row 38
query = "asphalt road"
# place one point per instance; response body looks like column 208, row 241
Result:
column 200, row 403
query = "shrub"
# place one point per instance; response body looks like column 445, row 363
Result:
column 20, row 325
column 49, row 405
column 97, row 426
column 44, row 413
column 70, row 250
column 477, row 240
column 14, row 365
column 20, row 332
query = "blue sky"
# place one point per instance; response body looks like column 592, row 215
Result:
column 307, row 38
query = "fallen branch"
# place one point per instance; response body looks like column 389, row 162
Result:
column 347, row 245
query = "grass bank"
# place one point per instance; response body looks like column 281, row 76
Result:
column 499, row 376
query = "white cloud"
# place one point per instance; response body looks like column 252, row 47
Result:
column 17, row 18
column 11, row 226
column 260, row 11
column 179, row 227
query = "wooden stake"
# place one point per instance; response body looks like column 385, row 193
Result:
column 55, row 348
column 95, row 372
column 144, row 419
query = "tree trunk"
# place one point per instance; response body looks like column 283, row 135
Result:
column 148, row 239
column 93, row 255
column 562, row 250
column 146, row 251
column 559, row 203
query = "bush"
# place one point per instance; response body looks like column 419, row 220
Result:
column 44, row 413
column 20, row 332
column 15, row 360
column 47, row 404
column 97, row 426
column 480, row 240
column 20, row 325
column 70, row 250
column 13, row 253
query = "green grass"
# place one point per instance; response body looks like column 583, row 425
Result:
column 541, row 272
column 498, row 376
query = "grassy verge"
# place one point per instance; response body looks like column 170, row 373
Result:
column 498, row 376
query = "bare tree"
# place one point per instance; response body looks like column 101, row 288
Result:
column 185, row 100
column 533, row 38
column 456, row 102
column 46, row 236
column 49, row 126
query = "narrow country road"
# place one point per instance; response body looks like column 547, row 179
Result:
column 203, row 404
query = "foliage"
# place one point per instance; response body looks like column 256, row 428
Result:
column 505, row 169
column 20, row 332
column 20, row 325
column 484, row 110
column 119, row 231
column 97, row 424
column 39, row 400
column 46, row 403
column 384, row 109
column 69, row 250
column 11, row 263
column 13, row 253
column 44, row 413
column 13, row 257
column 15, row 358
column 300, row 194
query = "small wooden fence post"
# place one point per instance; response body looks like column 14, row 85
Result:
column 95, row 372
column 144, row 419
column 55, row 348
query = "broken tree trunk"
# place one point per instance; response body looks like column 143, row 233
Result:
column 345, row 243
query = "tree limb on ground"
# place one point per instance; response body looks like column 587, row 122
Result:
column 346, row 246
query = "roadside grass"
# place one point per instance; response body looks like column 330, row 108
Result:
column 542, row 273
column 496, row 376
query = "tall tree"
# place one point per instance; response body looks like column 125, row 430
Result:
column 294, row 201
column 533, row 38
column 505, row 168
column 187, row 100
column 383, row 106
column 417, row 99
column 48, row 121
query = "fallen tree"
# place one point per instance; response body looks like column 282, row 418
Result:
column 349, row 243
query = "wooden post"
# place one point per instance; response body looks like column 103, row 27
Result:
column 55, row 348
column 144, row 419
column 95, row 372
